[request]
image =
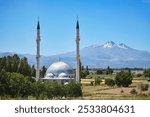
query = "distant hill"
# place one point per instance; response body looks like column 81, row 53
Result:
column 108, row 54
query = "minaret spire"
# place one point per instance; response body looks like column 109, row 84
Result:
column 77, row 53
column 38, row 25
column 38, row 51
column 77, row 26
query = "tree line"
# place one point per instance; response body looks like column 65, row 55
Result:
column 19, row 65
column 17, row 80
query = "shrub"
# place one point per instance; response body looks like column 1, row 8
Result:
column 73, row 90
column 139, row 75
column 92, row 83
column 97, row 81
column 122, row 91
column 146, row 73
column 110, row 82
column 133, row 92
column 144, row 87
column 123, row 79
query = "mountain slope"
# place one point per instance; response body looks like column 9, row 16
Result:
column 108, row 54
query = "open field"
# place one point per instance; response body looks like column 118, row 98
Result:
column 104, row 92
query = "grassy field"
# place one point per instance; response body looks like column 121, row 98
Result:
column 103, row 92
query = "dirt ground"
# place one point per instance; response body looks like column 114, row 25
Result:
column 104, row 92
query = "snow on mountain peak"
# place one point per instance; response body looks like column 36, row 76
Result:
column 121, row 45
column 109, row 44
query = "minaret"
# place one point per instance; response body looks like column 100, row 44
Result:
column 77, row 53
column 38, row 52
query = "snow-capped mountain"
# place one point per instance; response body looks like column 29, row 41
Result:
column 108, row 54
column 121, row 45
column 111, row 44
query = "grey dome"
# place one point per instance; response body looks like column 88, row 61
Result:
column 59, row 67
column 49, row 75
column 62, row 75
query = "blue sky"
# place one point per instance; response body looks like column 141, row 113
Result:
column 121, row 21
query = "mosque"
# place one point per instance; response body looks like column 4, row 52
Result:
column 59, row 71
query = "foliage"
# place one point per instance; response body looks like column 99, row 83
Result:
column 83, row 71
column 89, row 77
column 43, row 71
column 19, row 65
column 16, row 81
column 73, row 90
column 139, row 75
column 146, row 73
column 33, row 71
column 109, row 70
column 123, row 79
column 110, row 82
column 97, row 81
column 144, row 87
column 14, row 84
column 99, row 71
column 92, row 83
column 122, row 91
column 15, row 64
column 133, row 92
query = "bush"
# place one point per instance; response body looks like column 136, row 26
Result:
column 92, row 83
column 16, row 85
column 144, row 87
column 110, row 82
column 122, row 91
column 73, row 90
column 89, row 77
column 97, row 81
column 133, row 92
column 148, row 80
column 146, row 73
column 38, row 90
column 123, row 79
column 139, row 75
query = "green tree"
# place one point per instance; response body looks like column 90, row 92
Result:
column 98, row 81
column 83, row 71
column 14, row 84
column 33, row 71
column 4, row 83
column 73, row 90
column 43, row 71
column 99, row 71
column 146, row 73
column 15, row 62
column 24, row 68
column 133, row 92
column 144, row 87
column 109, row 70
column 39, row 90
column 110, row 82
column 123, row 79
column 19, row 86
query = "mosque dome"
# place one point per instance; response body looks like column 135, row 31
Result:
column 62, row 75
column 50, row 75
column 59, row 67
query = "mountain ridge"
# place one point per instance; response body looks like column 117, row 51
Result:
column 95, row 56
